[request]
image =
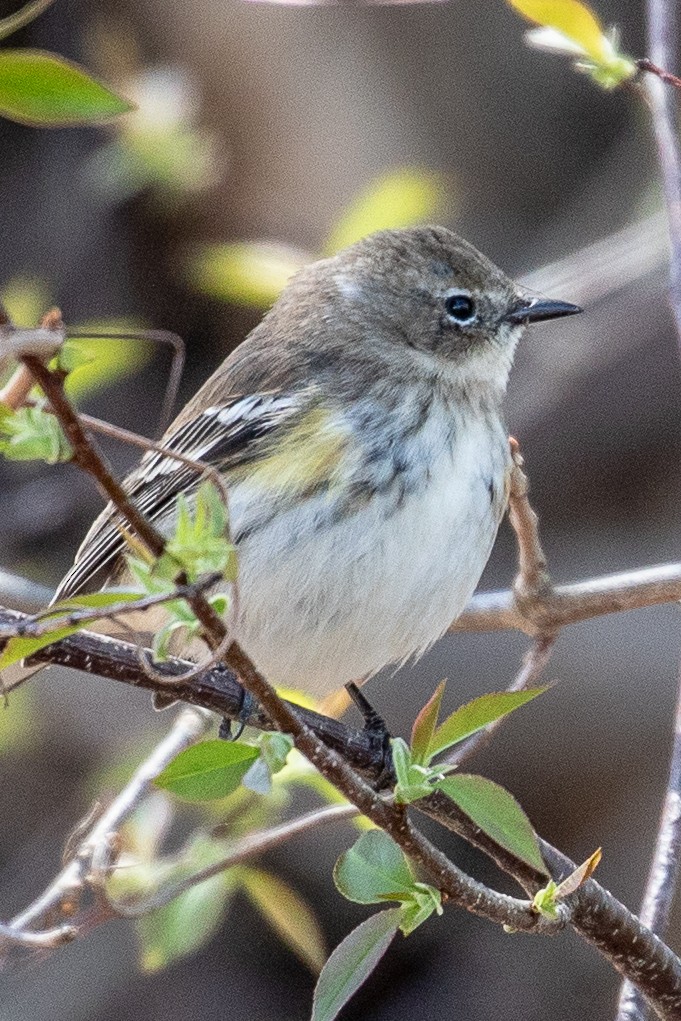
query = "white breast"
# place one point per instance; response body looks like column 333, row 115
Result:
column 380, row 585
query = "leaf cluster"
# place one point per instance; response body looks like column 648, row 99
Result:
column 572, row 28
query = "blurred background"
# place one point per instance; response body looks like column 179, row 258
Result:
column 266, row 135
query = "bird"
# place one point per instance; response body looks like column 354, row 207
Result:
column 359, row 431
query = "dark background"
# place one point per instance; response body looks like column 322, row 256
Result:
column 308, row 106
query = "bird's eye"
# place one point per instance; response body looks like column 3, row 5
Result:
column 460, row 308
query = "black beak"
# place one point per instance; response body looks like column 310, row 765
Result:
column 537, row 309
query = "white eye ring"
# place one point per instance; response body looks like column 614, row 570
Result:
column 460, row 308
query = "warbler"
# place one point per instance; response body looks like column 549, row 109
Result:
column 359, row 432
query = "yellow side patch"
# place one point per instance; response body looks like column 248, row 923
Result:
column 307, row 456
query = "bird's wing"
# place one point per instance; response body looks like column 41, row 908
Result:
column 222, row 436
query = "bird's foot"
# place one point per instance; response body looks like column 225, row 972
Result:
column 246, row 706
column 376, row 727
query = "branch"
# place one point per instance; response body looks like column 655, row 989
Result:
column 662, row 46
column 596, row 915
column 459, row 887
column 249, row 847
column 662, row 26
column 570, row 604
column 664, row 868
column 533, row 579
column 660, row 977
column 68, row 887
column 69, row 614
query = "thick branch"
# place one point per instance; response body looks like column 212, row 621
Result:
column 596, row 915
column 662, row 986
column 629, row 946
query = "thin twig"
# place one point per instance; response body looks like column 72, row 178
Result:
column 55, row 618
column 42, row 342
column 647, row 66
column 534, row 663
column 189, row 726
column 533, row 579
column 13, row 22
column 662, row 26
column 46, row 939
column 155, row 336
column 248, row 847
column 116, row 432
column 497, row 611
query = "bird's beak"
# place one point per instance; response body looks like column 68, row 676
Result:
column 537, row 309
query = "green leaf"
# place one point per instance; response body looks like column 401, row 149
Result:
column 32, row 434
column 402, row 760
column 351, row 963
column 245, row 273
column 95, row 600
column 21, row 648
column 413, row 781
column 200, row 544
column 401, row 198
column 571, row 27
column 209, row 770
column 573, row 19
column 425, row 901
column 41, row 89
column 25, row 298
column 497, row 813
column 544, row 901
column 24, row 16
column 374, row 870
column 477, row 714
column 20, row 722
column 184, row 925
column 424, row 726
column 274, row 751
column 579, row 875
column 288, row 914
column 94, row 363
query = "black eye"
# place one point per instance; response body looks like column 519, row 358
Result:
column 460, row 308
